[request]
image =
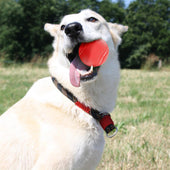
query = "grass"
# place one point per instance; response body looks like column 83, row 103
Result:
column 15, row 81
column 142, row 115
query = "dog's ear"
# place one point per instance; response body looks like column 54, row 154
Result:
column 118, row 27
column 51, row 28
column 116, row 31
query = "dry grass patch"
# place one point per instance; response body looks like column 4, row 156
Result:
column 142, row 115
column 15, row 82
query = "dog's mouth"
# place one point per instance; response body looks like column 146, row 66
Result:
column 78, row 70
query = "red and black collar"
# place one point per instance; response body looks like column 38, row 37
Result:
column 104, row 118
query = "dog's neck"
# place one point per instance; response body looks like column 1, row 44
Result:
column 99, row 94
column 103, row 118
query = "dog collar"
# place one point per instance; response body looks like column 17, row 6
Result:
column 104, row 118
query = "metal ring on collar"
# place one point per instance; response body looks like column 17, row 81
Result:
column 114, row 131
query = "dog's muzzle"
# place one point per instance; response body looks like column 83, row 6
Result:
column 78, row 70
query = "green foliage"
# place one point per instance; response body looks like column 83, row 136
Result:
column 111, row 11
column 78, row 5
column 22, row 36
column 121, row 3
column 149, row 29
column 11, row 25
column 139, row 56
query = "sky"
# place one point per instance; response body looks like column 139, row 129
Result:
column 127, row 2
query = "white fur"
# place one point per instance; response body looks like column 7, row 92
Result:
column 45, row 130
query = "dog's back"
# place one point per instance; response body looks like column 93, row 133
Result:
column 40, row 132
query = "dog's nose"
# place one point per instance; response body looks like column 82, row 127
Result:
column 73, row 30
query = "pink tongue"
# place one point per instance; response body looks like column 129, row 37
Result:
column 76, row 65
column 91, row 54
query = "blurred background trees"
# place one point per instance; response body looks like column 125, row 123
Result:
column 149, row 33
column 23, row 38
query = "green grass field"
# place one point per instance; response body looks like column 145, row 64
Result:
column 142, row 115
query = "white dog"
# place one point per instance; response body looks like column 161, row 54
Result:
column 49, row 130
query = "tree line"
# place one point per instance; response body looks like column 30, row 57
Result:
column 22, row 36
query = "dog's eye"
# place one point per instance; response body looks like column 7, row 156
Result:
column 92, row 19
column 62, row 27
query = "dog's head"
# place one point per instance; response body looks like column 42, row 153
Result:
column 74, row 29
